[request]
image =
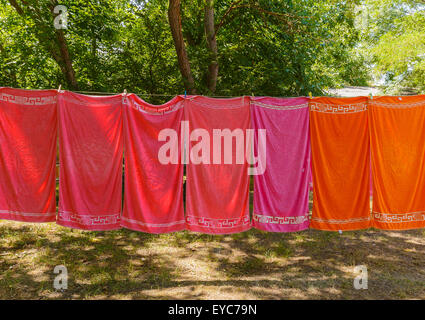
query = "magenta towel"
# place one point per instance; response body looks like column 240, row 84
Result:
column 281, row 192
column 90, row 150
column 153, row 198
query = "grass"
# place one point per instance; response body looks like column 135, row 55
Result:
column 124, row 264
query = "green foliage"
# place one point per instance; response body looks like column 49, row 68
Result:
column 23, row 62
column 394, row 42
column 306, row 51
column 277, row 48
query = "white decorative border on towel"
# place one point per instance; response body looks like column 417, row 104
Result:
column 397, row 105
column 235, row 105
column 277, row 107
column 29, row 214
column 92, row 102
column 161, row 111
column 28, row 101
column 87, row 220
column 332, row 108
column 280, row 220
column 153, row 225
column 217, row 223
column 399, row 217
column 337, row 221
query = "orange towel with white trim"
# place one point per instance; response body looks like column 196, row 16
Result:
column 340, row 163
column 397, row 128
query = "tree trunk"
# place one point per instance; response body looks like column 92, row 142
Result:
column 175, row 22
column 66, row 60
column 211, row 45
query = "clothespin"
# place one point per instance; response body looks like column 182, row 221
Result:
column 310, row 95
column 124, row 97
column 59, row 89
column 371, row 96
column 340, row 231
column 185, row 94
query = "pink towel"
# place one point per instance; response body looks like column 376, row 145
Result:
column 28, row 123
column 281, row 192
column 90, row 148
column 153, row 200
column 217, row 191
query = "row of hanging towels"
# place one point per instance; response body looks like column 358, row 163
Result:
column 339, row 143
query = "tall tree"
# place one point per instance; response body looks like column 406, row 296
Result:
column 41, row 13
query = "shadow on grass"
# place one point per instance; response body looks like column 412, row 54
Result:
column 125, row 264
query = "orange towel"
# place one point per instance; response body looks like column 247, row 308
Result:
column 340, row 163
column 397, row 128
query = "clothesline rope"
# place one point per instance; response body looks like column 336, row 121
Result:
column 153, row 94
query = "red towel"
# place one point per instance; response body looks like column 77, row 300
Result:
column 153, row 200
column 28, row 123
column 90, row 148
column 217, row 193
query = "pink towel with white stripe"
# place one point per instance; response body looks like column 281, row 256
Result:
column 28, row 123
column 281, row 192
column 91, row 156
column 153, row 200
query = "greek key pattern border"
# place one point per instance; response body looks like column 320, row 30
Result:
column 418, row 216
column 28, row 101
column 338, row 109
column 217, row 223
column 155, row 112
column 280, row 220
column 277, row 107
column 88, row 220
